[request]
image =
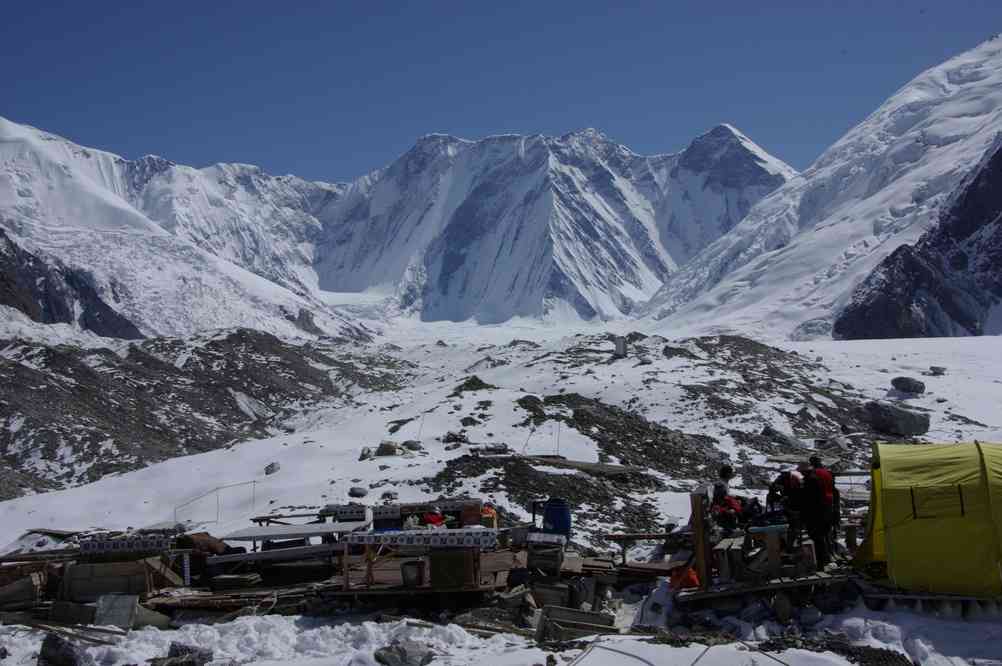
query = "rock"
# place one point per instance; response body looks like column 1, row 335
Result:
column 441, row 343
column 809, row 616
column 358, row 491
column 3, row 653
column 782, row 607
column 390, row 495
column 469, row 421
column 271, row 468
column 937, row 370
column 404, row 653
column 892, row 420
column 908, row 385
column 57, row 651
column 451, row 437
column 726, row 605
column 412, row 445
column 366, row 454
column 828, row 602
column 781, row 437
column 387, row 448
column 755, row 612
column 453, row 446
column 179, row 654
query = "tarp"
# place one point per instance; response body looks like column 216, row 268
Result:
column 936, row 517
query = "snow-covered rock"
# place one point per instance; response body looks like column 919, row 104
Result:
column 793, row 262
column 950, row 282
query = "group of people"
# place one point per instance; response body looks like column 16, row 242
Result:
column 806, row 498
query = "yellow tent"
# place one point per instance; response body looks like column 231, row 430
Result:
column 936, row 517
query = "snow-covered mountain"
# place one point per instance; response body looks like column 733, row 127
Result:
column 947, row 284
column 171, row 249
column 489, row 229
column 526, row 225
column 791, row 265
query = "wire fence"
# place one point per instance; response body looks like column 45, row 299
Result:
column 217, row 494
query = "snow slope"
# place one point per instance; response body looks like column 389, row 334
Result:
column 165, row 270
column 793, row 262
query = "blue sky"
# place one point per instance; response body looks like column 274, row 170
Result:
column 331, row 90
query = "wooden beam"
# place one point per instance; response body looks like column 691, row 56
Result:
column 699, row 539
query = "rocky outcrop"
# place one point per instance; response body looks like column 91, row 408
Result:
column 950, row 282
column 70, row 415
column 50, row 293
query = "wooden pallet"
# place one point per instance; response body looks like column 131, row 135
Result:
column 732, row 589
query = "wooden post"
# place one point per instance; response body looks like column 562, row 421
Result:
column 346, row 567
column 699, row 539
column 851, row 539
column 370, row 577
column 773, row 548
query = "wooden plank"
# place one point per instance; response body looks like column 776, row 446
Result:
column 279, row 554
column 746, row 588
column 699, row 537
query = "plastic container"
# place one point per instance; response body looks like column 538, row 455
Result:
column 412, row 573
column 557, row 517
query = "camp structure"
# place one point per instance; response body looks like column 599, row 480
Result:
column 936, row 518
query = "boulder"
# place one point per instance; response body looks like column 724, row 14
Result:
column 271, row 468
column 781, row 437
column 908, row 385
column 782, row 607
column 413, row 445
column 366, row 454
column 57, row 651
column 194, row 655
column 809, row 616
column 892, row 420
column 358, row 491
column 390, row 495
column 404, row 653
column 937, row 370
column 387, row 448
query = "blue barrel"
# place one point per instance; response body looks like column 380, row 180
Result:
column 557, row 517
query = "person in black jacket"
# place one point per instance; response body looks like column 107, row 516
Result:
column 817, row 514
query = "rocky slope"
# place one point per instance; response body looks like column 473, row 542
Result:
column 70, row 415
column 949, row 282
column 49, row 293
column 791, row 265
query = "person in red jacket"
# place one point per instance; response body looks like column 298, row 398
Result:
column 434, row 518
column 819, row 509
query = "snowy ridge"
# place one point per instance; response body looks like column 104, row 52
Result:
column 142, row 233
column 505, row 226
column 531, row 225
column 794, row 260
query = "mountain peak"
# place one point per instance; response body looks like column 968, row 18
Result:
column 733, row 159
